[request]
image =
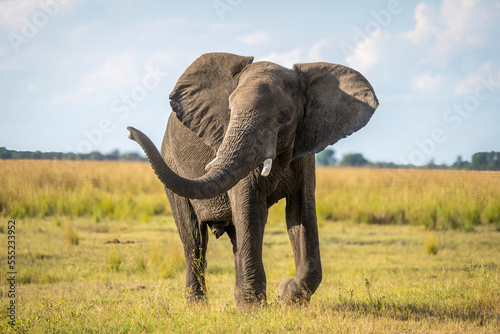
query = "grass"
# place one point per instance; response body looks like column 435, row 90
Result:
column 377, row 278
column 431, row 244
column 402, row 251
column 130, row 190
column 70, row 234
column 437, row 199
column 113, row 190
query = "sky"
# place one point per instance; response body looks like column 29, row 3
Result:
column 75, row 74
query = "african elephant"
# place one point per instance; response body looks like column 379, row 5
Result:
column 242, row 136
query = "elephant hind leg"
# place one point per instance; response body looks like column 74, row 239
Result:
column 194, row 237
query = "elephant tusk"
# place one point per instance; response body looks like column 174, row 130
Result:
column 210, row 165
column 268, row 163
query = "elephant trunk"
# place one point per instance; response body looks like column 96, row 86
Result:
column 218, row 180
column 247, row 144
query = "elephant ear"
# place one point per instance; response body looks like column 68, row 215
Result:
column 339, row 102
column 200, row 98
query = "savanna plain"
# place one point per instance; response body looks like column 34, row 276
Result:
column 403, row 251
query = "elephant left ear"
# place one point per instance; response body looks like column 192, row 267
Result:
column 339, row 102
column 200, row 98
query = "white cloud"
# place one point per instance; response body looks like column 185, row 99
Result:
column 427, row 82
column 166, row 57
column 255, row 38
column 426, row 23
column 84, row 30
column 481, row 74
column 12, row 12
column 32, row 87
column 298, row 55
column 366, row 55
column 446, row 39
column 454, row 26
column 116, row 73
column 466, row 21
column 286, row 59
column 15, row 13
column 315, row 53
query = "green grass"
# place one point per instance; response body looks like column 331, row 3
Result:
column 377, row 278
column 402, row 251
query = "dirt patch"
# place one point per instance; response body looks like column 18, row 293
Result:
column 116, row 241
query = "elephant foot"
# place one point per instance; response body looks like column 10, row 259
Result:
column 201, row 299
column 247, row 305
column 195, row 295
column 293, row 292
column 251, row 305
column 196, row 298
column 249, row 301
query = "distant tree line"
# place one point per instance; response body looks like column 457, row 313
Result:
column 97, row 156
column 480, row 161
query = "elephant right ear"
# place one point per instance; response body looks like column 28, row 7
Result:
column 339, row 102
column 200, row 98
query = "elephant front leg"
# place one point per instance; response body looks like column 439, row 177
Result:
column 195, row 254
column 303, row 233
column 194, row 237
column 249, row 217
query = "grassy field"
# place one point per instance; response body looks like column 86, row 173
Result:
column 402, row 251
column 130, row 190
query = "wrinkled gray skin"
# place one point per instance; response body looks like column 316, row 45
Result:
column 242, row 113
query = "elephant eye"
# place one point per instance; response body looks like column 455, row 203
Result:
column 284, row 116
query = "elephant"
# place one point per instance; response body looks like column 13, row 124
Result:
column 242, row 136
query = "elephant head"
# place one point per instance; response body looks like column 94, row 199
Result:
column 252, row 113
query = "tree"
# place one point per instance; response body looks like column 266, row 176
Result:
column 5, row 153
column 132, row 156
column 95, row 155
column 485, row 161
column 114, row 155
column 459, row 163
column 326, row 157
column 354, row 160
column 493, row 161
column 431, row 164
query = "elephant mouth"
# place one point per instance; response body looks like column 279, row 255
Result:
column 266, row 168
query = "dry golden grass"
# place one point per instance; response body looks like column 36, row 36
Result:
column 116, row 190
column 129, row 190
column 437, row 199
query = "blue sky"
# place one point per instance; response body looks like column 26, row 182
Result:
column 74, row 74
